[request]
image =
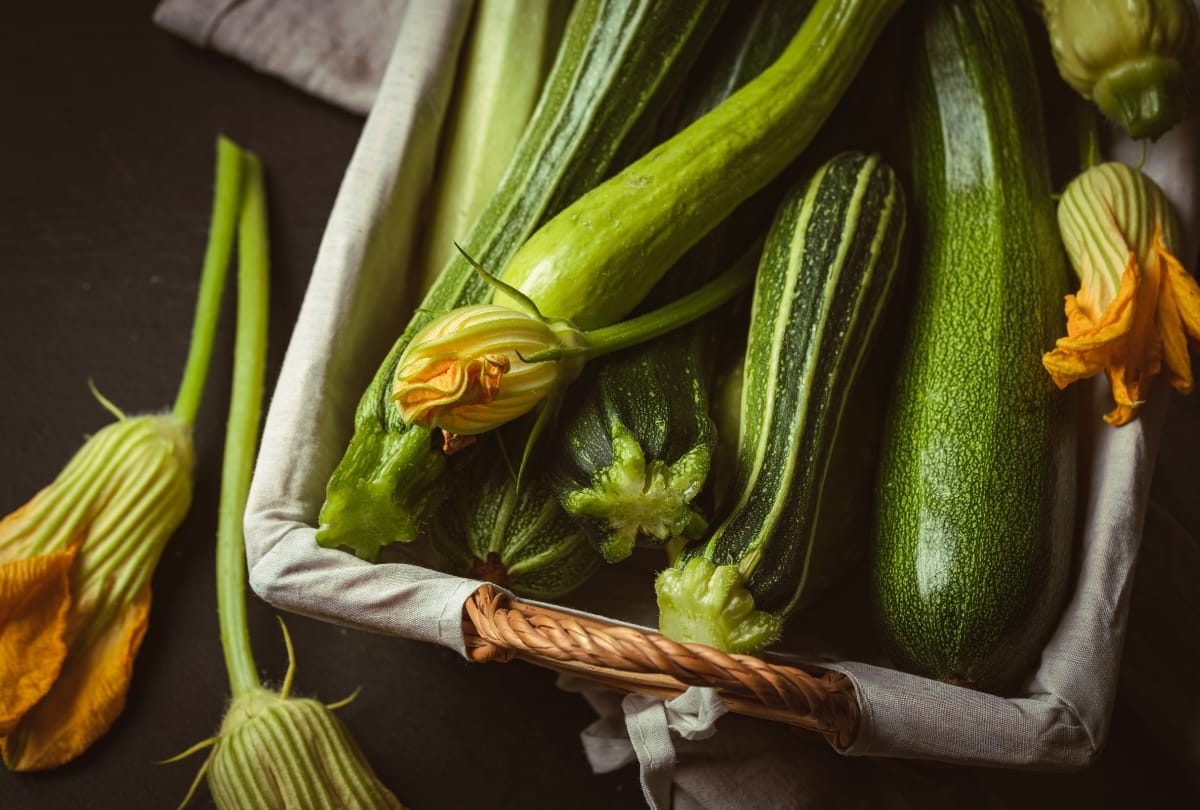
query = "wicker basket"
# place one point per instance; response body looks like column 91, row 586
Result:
column 498, row 628
column 349, row 320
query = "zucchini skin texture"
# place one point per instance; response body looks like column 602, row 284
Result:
column 618, row 62
column 636, row 445
column 977, row 481
column 827, row 267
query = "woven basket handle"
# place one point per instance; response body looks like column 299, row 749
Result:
column 497, row 628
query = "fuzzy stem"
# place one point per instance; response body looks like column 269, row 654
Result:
column 241, row 436
column 226, row 203
column 677, row 313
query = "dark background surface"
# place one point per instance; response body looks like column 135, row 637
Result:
column 107, row 140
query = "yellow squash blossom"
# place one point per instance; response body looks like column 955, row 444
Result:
column 75, row 568
column 1137, row 308
column 478, row 367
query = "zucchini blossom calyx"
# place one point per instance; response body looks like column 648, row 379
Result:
column 1137, row 308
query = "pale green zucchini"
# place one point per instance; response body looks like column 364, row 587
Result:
column 508, row 52
column 599, row 257
column 823, row 281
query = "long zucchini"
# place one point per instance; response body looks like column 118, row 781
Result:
column 977, row 481
column 618, row 61
column 508, row 52
column 823, row 280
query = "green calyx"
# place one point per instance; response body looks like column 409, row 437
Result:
column 633, row 498
column 1145, row 96
column 705, row 603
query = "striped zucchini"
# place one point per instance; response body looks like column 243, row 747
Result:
column 618, row 61
column 519, row 538
column 977, row 480
column 824, row 277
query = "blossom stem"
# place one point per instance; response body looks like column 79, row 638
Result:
column 241, row 435
column 226, row 203
column 677, row 313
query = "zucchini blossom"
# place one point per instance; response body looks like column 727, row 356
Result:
column 477, row 367
column 1131, row 57
column 75, row 569
column 1137, row 308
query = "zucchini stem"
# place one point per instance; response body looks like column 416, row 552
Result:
column 677, row 313
column 241, row 437
column 226, row 205
column 665, row 319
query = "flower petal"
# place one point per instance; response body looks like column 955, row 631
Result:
column 34, row 601
column 87, row 697
column 1090, row 346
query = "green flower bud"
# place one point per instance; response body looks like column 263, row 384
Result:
column 1129, row 56
column 277, row 752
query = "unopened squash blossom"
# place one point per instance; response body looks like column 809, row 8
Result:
column 1137, row 308
column 75, row 567
column 76, row 560
column 472, row 369
column 478, row 367
column 1131, row 57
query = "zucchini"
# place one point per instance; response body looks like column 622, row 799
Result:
column 519, row 538
column 618, row 61
column 824, row 277
column 599, row 257
column 506, row 56
column 977, row 480
column 636, row 442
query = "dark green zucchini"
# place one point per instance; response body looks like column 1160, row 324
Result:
column 517, row 537
column 977, row 479
column 636, row 445
column 618, row 62
column 823, row 280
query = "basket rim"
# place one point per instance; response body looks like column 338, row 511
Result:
column 499, row 627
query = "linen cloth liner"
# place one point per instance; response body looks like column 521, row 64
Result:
column 334, row 49
column 1060, row 723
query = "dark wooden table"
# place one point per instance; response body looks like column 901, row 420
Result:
column 104, row 200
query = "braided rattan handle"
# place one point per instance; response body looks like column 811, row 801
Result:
column 497, row 628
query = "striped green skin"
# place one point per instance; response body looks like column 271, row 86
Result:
column 618, row 62
column 290, row 752
column 977, row 479
column 823, row 282
column 518, row 537
column 599, row 257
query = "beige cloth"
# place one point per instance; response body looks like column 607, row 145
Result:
column 334, row 49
